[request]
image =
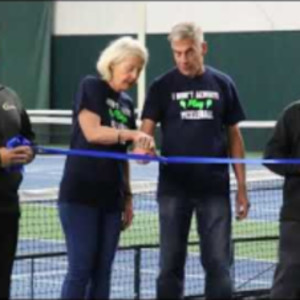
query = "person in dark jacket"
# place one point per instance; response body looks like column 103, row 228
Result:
column 285, row 143
column 13, row 121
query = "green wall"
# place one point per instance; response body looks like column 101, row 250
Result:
column 73, row 57
column 25, row 36
column 264, row 65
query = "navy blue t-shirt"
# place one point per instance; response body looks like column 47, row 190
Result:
column 194, row 114
column 97, row 181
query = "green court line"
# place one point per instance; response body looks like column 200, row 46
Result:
column 43, row 224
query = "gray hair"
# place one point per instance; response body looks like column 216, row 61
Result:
column 117, row 51
column 186, row 30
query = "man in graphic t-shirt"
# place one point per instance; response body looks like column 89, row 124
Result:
column 198, row 109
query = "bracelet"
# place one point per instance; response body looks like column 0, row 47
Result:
column 120, row 142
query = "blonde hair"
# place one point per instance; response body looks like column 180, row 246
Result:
column 186, row 30
column 117, row 51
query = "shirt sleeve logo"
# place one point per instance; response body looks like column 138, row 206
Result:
column 8, row 106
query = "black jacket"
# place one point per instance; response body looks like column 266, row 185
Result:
column 285, row 143
column 13, row 121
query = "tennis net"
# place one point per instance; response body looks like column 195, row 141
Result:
column 41, row 261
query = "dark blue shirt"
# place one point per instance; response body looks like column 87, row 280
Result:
column 194, row 114
column 97, row 181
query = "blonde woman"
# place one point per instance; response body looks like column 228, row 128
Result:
column 95, row 200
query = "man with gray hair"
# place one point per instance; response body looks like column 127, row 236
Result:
column 199, row 109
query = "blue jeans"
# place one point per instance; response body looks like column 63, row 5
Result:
column 92, row 237
column 213, row 215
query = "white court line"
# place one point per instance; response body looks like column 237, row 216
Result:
column 117, row 288
column 51, row 193
column 271, row 261
column 46, row 157
column 193, row 276
column 35, row 240
column 145, row 271
column 38, row 274
column 193, row 254
column 58, row 282
column 258, row 260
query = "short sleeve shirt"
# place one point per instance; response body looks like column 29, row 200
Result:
column 194, row 114
column 97, row 181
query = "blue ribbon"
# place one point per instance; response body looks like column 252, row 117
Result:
column 163, row 159
column 21, row 141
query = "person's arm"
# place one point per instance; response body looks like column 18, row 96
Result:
column 148, row 126
column 280, row 146
column 15, row 156
column 95, row 133
column 236, row 150
column 27, row 132
column 21, row 154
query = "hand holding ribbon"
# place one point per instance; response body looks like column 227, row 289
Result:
column 17, row 152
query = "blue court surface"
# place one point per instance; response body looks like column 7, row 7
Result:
column 46, row 171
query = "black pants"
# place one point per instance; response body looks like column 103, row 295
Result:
column 9, row 228
column 286, row 283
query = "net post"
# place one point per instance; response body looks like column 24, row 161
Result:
column 137, row 273
column 233, row 264
column 142, row 28
column 32, row 279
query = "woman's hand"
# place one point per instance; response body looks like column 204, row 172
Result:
column 143, row 141
column 144, row 144
column 128, row 214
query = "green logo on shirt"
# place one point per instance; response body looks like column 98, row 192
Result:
column 196, row 104
column 118, row 115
